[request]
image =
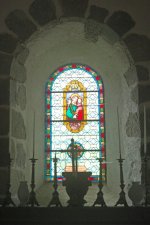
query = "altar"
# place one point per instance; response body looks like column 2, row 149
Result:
column 76, row 186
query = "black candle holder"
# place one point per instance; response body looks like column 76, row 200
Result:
column 32, row 196
column 122, row 198
column 147, row 185
column 55, row 198
column 8, row 200
column 100, row 199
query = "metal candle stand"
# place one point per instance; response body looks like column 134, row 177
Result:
column 8, row 200
column 147, row 186
column 55, row 199
column 100, row 199
column 122, row 198
column 32, row 196
column 145, row 161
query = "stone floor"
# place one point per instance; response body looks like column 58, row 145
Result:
column 44, row 195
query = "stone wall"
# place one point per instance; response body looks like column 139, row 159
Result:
column 18, row 134
column 70, row 41
column 100, row 24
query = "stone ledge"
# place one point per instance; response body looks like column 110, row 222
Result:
column 82, row 216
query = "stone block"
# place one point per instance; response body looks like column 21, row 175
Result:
column 13, row 90
column 121, row 22
column 135, row 95
column 130, row 76
column 5, row 63
column 139, row 47
column 18, row 72
column 21, row 54
column 98, row 14
column 72, row 8
column 18, row 126
column 18, row 22
column 142, row 73
column 20, row 156
column 109, row 35
column 132, row 125
column 4, row 121
column 92, row 30
column 12, row 152
column 8, row 43
column 144, row 93
column 21, row 97
column 4, row 91
column 43, row 11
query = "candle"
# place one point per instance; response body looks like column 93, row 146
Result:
column 119, row 133
column 33, row 133
column 145, row 134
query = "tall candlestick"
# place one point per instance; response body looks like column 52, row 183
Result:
column 122, row 198
column 119, row 133
column 33, row 133
column 145, row 131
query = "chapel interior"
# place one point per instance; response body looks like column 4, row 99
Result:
column 55, row 51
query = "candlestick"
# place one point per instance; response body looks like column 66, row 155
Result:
column 55, row 199
column 122, row 198
column 145, row 132
column 33, row 133
column 8, row 200
column 119, row 133
column 100, row 199
column 32, row 197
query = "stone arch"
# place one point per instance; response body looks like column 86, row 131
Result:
column 47, row 67
column 93, row 27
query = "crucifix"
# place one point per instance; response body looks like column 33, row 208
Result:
column 74, row 157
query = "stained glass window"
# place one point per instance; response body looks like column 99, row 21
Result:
column 74, row 109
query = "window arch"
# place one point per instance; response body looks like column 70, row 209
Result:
column 74, row 109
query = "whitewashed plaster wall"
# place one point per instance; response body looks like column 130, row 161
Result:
column 65, row 43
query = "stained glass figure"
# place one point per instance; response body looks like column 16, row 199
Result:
column 74, row 109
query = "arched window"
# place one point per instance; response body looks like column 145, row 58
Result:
column 74, row 109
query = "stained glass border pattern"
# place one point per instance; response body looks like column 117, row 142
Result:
column 52, row 78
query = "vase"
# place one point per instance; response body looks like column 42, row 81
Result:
column 23, row 193
column 136, row 193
